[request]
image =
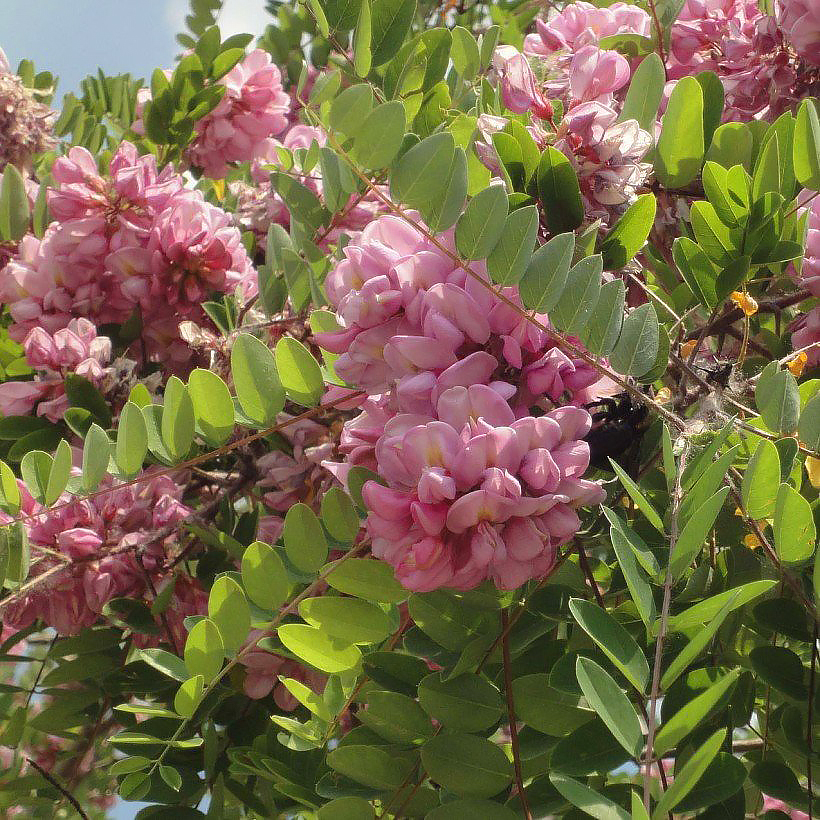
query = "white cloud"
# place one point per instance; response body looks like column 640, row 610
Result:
column 236, row 17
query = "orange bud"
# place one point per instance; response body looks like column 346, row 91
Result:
column 797, row 364
column 813, row 469
column 664, row 395
column 752, row 541
column 744, row 302
column 687, row 348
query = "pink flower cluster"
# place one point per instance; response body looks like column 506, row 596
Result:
column 134, row 241
column 74, row 349
column 800, row 19
column 477, row 486
column 254, row 108
column 589, row 81
column 101, row 536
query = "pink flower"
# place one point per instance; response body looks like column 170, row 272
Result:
column 519, row 89
column 253, row 108
column 800, row 20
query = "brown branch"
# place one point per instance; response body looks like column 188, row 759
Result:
column 60, row 788
column 516, row 751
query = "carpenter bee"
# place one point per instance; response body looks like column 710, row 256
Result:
column 617, row 428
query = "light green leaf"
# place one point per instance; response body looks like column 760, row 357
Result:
column 305, row 542
column 373, row 766
column 339, row 515
column 14, row 207
column 362, row 56
column 604, row 695
column 299, row 372
column 687, row 719
column 257, row 384
column 604, row 325
column 697, row 270
column 380, row 137
column 712, row 608
column 795, row 533
column 441, row 212
column 420, row 175
column 587, row 799
column 638, row 497
column 96, row 453
column 778, row 399
column 808, row 430
column 189, row 695
column 509, row 258
column 694, row 535
column 639, row 587
column 204, row 651
column 761, row 481
column 213, row 405
column 178, row 422
column 806, row 146
column 318, row 649
column 366, row 578
column 645, row 92
column 390, row 23
column 689, row 774
column 395, row 717
column 349, row 619
column 465, row 53
column 264, row 576
column 681, row 143
column 228, row 609
column 59, row 472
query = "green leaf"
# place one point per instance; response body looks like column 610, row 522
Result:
column 545, row 708
column 397, row 718
column 213, row 406
column 299, row 372
column 587, row 799
column 637, row 347
column 165, row 662
column 546, row 275
column 326, row 653
column 509, row 258
column 420, row 176
column 81, row 393
column 350, row 109
column 689, row 717
column 808, row 429
column 604, row 695
column 559, row 191
column 591, row 748
column 470, row 809
column 732, row 144
column 713, row 98
column 806, row 146
column 638, row 497
column 58, row 473
column 604, row 325
column 617, row 644
column 795, row 533
column 35, row 467
column 705, row 610
column 761, row 481
column 171, row 777
column 481, row 225
column 349, row 619
column 374, row 767
column 697, row 270
column 305, row 542
column 766, row 177
column 380, row 137
column 339, row 515
column 442, row 212
column 712, row 235
column 390, row 24
column 681, row 143
column 465, row 53
column 366, row 578
column 630, row 233
column 689, row 774
column 645, row 92
column 699, row 641
column 228, row 609
column 347, row 808
column 362, row 56
column 14, row 207
column 9, row 490
column 96, row 453
column 468, row 702
column 580, row 295
column 15, row 546
column 777, row 780
column 264, row 576
column 178, row 422
column 695, row 533
column 638, row 586
column 778, row 399
column 466, row 765
column 255, row 378
column 204, row 650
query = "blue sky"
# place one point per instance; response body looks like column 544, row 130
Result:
column 71, row 38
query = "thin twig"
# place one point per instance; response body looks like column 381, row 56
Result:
column 516, row 751
column 809, row 731
column 60, row 788
column 677, row 495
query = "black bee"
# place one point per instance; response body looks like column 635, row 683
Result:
column 718, row 375
column 616, row 429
